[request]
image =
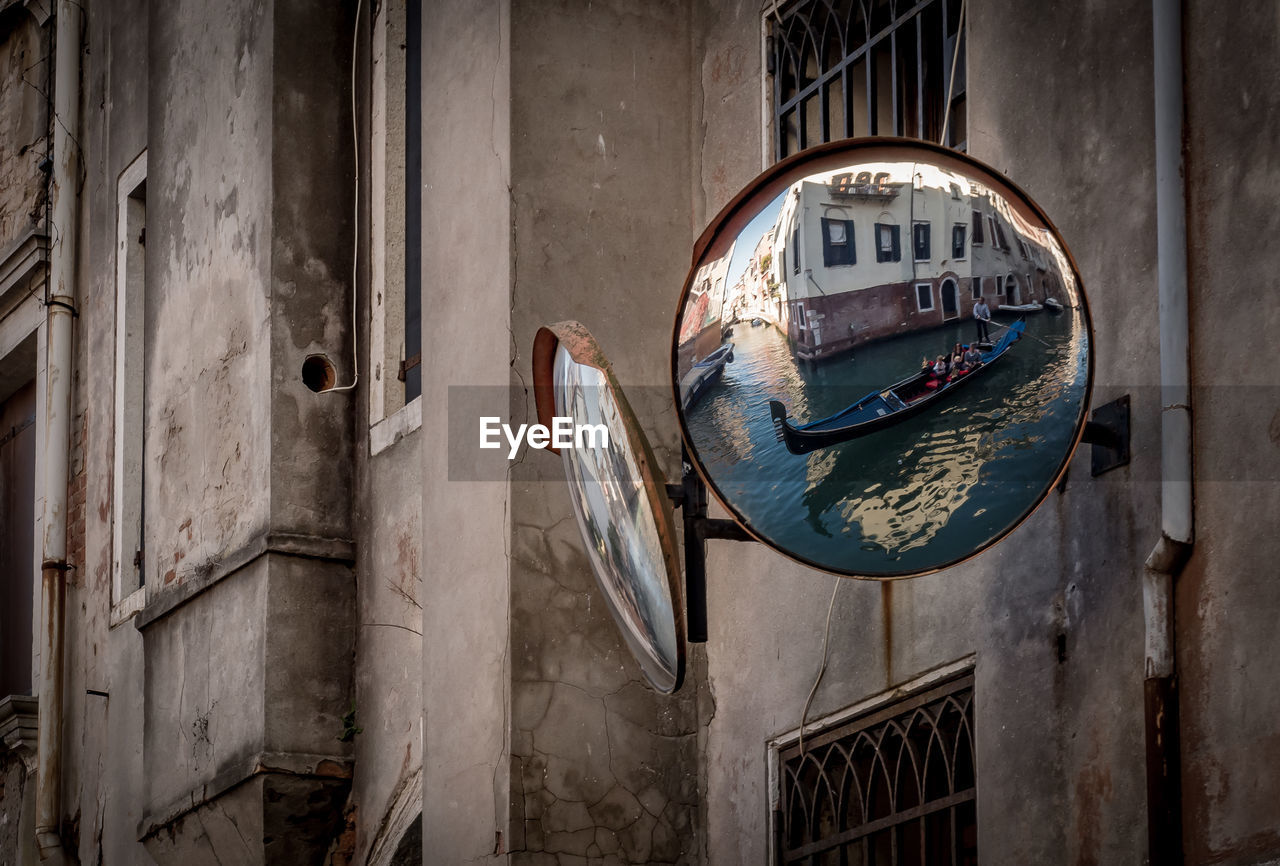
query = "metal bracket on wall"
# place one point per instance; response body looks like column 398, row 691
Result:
column 1108, row 432
column 690, row 496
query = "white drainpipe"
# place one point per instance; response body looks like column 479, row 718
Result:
column 57, row 445
column 1177, row 519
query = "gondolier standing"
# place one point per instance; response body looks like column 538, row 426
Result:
column 981, row 316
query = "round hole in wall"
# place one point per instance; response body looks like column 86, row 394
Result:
column 318, row 373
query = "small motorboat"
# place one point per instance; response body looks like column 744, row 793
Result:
column 1021, row 308
column 703, row 373
column 1054, row 305
column 885, row 407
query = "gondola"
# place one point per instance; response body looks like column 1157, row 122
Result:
column 883, row 407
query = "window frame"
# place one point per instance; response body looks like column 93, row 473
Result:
column 925, row 284
column 128, row 519
column 958, row 232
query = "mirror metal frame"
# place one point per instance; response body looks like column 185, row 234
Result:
column 584, row 349
column 735, row 216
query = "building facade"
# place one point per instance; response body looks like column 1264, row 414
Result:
column 272, row 255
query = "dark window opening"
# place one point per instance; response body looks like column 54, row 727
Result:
column 888, row 245
column 921, row 242
column 412, row 369
column 924, row 297
column 17, row 544
column 957, row 242
column 837, row 243
column 979, row 237
column 895, row 786
column 795, row 247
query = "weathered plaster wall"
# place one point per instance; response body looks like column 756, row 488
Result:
column 209, row 201
column 1228, row 600
column 23, row 124
column 1075, row 140
column 387, row 781
column 603, row 767
column 467, row 274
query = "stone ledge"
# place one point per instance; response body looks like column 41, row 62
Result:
column 295, row 544
column 18, row 725
column 241, row 771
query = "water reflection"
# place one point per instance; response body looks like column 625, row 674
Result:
column 921, row 338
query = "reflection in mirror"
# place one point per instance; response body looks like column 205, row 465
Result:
column 882, row 358
column 618, row 521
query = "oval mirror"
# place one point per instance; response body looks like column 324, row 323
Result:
column 881, row 357
column 618, row 497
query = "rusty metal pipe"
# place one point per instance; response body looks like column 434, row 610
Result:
column 1167, row 558
column 57, row 445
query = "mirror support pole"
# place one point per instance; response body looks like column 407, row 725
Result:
column 690, row 495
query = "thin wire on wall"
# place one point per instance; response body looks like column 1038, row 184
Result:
column 355, row 213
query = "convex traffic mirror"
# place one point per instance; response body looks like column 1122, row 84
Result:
column 881, row 364
column 881, row 357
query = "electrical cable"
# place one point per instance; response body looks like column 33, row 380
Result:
column 355, row 216
column 822, row 669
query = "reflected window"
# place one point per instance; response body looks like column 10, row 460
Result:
column 978, row 237
column 975, row 288
column 924, row 297
column 888, row 244
column 920, row 241
column 957, row 242
column 795, row 251
column 840, row 68
column 837, row 243
column 896, row 785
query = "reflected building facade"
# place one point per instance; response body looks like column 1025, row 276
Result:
column 893, row 250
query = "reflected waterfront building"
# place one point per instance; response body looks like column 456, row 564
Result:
column 893, row 248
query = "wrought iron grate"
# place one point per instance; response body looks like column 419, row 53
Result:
column 896, row 786
column 844, row 68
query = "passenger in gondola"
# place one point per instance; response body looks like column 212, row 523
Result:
column 972, row 357
column 938, row 373
column 958, row 365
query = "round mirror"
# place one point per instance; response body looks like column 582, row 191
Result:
column 881, row 357
column 618, row 497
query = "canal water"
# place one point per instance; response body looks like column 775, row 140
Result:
column 915, row 496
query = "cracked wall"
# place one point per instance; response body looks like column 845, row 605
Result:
column 603, row 769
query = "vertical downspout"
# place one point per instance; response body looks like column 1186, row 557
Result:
column 1164, row 794
column 60, row 311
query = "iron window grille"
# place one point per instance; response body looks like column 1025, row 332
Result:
column 844, row 68
column 895, row 786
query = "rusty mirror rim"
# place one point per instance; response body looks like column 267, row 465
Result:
column 584, row 349
column 734, row 217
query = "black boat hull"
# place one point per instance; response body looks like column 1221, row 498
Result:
column 801, row 441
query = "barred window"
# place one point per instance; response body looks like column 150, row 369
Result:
column 895, row 786
column 844, row 68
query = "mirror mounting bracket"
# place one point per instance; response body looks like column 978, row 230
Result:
column 1108, row 432
column 690, row 496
